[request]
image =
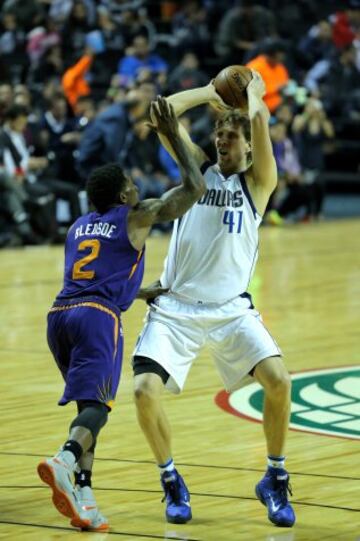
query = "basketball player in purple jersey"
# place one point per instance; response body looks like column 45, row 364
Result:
column 104, row 265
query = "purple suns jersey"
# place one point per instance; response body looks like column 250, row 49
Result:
column 100, row 261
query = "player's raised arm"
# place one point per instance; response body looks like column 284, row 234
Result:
column 181, row 102
column 264, row 171
column 178, row 200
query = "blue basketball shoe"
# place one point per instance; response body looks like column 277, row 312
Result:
column 177, row 497
column 272, row 492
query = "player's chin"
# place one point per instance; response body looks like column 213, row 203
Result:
column 222, row 158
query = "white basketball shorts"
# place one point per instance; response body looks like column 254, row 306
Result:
column 175, row 332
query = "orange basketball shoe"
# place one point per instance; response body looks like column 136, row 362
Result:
column 57, row 474
column 86, row 498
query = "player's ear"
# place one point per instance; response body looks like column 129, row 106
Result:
column 122, row 198
column 247, row 147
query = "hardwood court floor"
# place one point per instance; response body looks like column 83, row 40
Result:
column 307, row 287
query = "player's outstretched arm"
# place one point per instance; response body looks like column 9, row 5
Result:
column 181, row 102
column 177, row 201
column 264, row 171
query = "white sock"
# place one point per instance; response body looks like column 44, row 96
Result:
column 276, row 462
column 168, row 466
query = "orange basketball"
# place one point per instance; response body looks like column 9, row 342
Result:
column 231, row 82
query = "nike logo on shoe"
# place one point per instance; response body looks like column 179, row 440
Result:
column 274, row 507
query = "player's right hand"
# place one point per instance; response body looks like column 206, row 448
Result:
column 214, row 99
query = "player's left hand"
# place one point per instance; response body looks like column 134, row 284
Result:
column 256, row 85
column 163, row 118
column 149, row 293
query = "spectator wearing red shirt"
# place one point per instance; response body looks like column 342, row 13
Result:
column 346, row 26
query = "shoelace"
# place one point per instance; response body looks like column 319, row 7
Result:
column 172, row 489
column 284, row 487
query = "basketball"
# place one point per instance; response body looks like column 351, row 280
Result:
column 231, row 82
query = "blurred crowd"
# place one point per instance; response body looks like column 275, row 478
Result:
column 77, row 78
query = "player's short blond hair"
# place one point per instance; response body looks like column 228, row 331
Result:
column 237, row 120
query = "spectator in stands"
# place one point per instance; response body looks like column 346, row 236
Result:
column 169, row 165
column 109, row 136
column 40, row 39
column 134, row 22
column 79, row 23
column 294, row 18
column 271, row 67
column 12, row 46
column 33, row 171
column 112, row 36
column 142, row 162
column 284, row 113
column 346, row 25
column 29, row 13
column 12, row 37
column 50, row 65
column 341, row 86
column 59, row 10
column 6, row 100
column 292, row 194
column 138, row 58
column 22, row 96
column 338, row 82
column 241, row 29
column 74, row 81
column 187, row 74
column 311, row 129
column 19, row 166
column 317, row 44
column 60, row 137
column 190, row 29
column 85, row 112
column 13, row 201
column 119, row 9
column 202, row 130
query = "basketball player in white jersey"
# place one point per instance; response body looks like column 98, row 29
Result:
column 212, row 255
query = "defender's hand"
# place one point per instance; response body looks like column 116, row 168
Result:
column 163, row 118
column 149, row 293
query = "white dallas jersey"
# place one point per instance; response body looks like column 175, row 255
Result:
column 214, row 246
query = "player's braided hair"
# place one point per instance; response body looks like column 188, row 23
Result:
column 236, row 119
column 104, row 185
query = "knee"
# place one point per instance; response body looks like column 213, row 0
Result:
column 279, row 385
column 146, row 392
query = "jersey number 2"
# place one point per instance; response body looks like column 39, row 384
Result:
column 78, row 273
column 233, row 222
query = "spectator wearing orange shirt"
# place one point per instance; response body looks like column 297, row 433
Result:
column 73, row 81
column 273, row 71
